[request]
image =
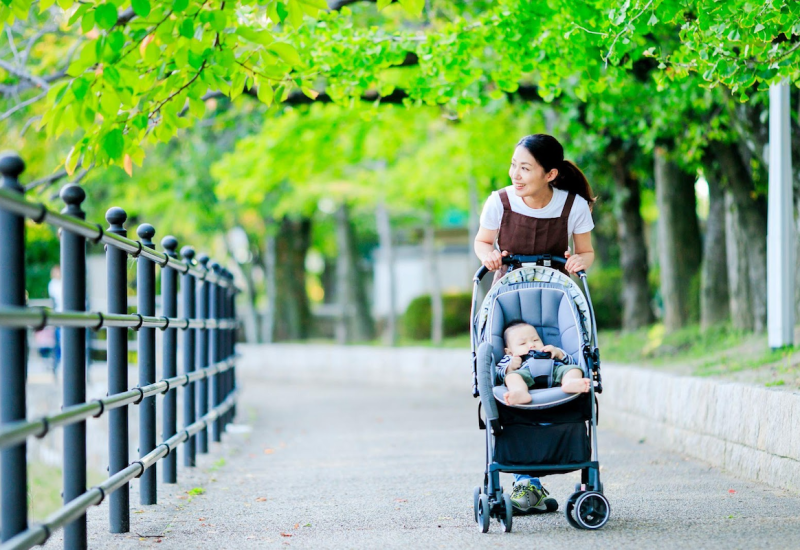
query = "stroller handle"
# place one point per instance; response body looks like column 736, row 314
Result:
column 544, row 259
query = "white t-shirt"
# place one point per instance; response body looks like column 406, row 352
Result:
column 580, row 217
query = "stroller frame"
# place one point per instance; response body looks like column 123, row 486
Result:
column 587, row 507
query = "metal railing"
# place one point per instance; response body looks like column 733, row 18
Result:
column 207, row 322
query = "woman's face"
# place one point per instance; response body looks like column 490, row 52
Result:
column 527, row 175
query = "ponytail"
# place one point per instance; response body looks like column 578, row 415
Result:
column 570, row 178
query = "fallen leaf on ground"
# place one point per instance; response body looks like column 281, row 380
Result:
column 401, row 500
column 201, row 519
column 731, row 491
column 297, row 526
column 268, row 451
column 286, row 535
column 261, row 499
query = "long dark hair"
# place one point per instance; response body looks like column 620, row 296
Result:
column 549, row 153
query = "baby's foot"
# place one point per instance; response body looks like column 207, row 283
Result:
column 575, row 385
column 517, row 397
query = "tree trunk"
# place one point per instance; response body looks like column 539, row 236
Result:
column 251, row 332
column 714, row 299
column 293, row 312
column 636, row 309
column 738, row 280
column 474, row 226
column 271, row 287
column 355, row 321
column 750, row 223
column 678, row 240
column 437, row 305
column 385, row 237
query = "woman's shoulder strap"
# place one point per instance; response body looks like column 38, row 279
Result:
column 568, row 205
column 503, row 194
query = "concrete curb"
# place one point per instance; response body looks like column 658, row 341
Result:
column 748, row 430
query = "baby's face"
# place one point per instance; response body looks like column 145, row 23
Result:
column 522, row 340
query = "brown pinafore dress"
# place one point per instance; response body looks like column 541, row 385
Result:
column 521, row 234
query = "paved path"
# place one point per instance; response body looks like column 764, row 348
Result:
column 341, row 467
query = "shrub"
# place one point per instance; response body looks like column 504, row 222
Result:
column 605, row 285
column 417, row 318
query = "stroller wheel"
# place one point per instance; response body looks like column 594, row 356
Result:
column 476, row 495
column 592, row 510
column 483, row 513
column 508, row 513
column 569, row 509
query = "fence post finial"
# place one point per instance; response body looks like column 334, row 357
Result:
column 11, row 166
column 72, row 195
column 116, row 216
column 146, row 233
column 170, row 244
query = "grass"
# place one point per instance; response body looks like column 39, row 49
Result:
column 44, row 489
column 718, row 351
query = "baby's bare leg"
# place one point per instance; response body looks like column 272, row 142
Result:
column 574, row 382
column 517, row 393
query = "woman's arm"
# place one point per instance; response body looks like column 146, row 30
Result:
column 583, row 258
column 485, row 250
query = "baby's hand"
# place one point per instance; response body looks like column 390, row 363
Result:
column 554, row 352
column 516, row 363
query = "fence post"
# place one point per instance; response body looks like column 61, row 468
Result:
column 13, row 468
column 202, row 355
column 189, row 335
column 146, row 297
column 116, row 265
column 234, row 332
column 169, row 309
column 229, row 336
column 73, row 280
column 216, row 355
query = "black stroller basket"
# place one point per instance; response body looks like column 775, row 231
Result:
column 556, row 432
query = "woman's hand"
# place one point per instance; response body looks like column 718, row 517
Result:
column 574, row 263
column 494, row 259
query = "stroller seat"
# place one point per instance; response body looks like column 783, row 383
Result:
column 551, row 309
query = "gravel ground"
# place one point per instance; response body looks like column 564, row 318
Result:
column 343, row 467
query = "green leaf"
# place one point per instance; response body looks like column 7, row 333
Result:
column 414, row 7
column 83, row 8
column 265, row 93
column 237, row 85
column 116, row 41
column 180, row 5
column 72, row 161
column 43, row 5
column 187, row 28
column 79, row 87
column 141, row 7
column 258, row 37
column 295, row 12
column 87, row 23
column 106, row 16
column 197, row 107
column 383, row 3
column 287, row 53
column 113, row 142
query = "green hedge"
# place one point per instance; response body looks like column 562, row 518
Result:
column 417, row 318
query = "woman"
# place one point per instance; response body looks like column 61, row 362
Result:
column 549, row 201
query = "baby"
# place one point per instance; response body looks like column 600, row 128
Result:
column 522, row 338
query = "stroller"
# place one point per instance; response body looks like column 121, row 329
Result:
column 556, row 432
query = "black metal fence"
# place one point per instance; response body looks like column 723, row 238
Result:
column 208, row 325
